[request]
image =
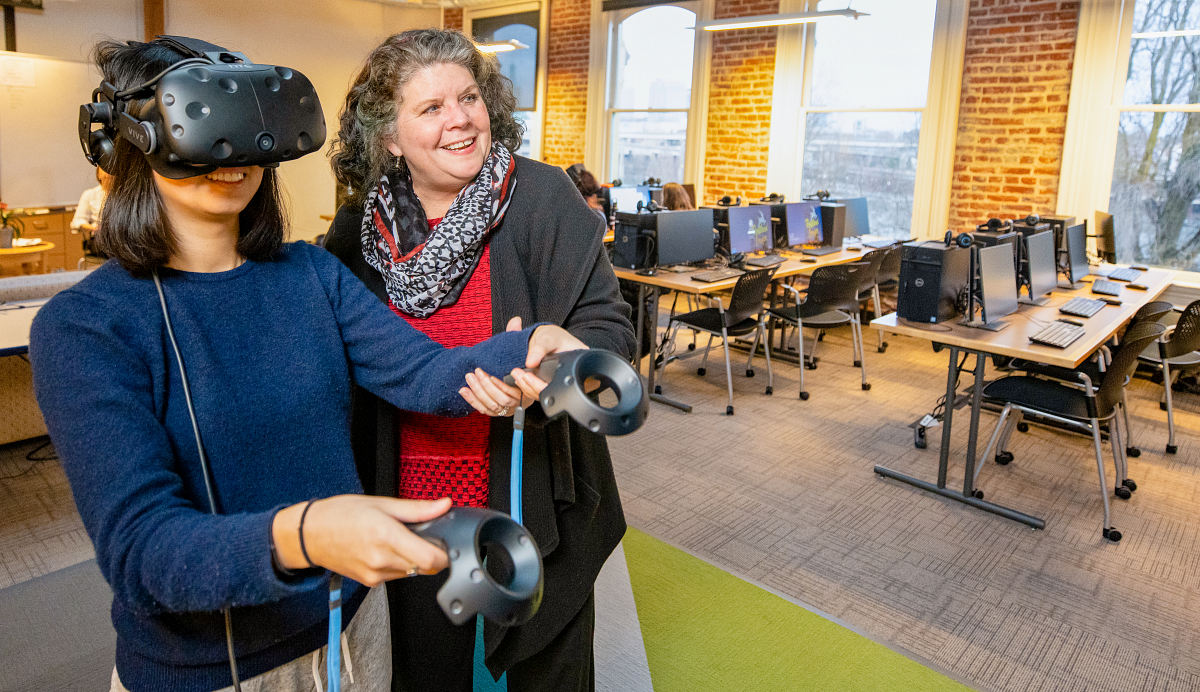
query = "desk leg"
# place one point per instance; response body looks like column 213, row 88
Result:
column 967, row 497
column 641, row 315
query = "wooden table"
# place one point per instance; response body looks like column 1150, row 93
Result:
column 1013, row 341
column 24, row 260
column 795, row 264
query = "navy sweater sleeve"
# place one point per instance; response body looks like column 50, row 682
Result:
column 400, row 364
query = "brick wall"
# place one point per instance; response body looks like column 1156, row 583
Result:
column 452, row 18
column 1013, row 109
column 567, row 82
column 739, row 103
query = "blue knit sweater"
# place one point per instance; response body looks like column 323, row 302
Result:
column 271, row 349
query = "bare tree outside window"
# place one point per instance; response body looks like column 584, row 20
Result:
column 1155, row 197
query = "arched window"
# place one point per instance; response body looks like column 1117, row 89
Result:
column 650, row 94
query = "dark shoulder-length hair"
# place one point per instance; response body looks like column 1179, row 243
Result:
column 134, row 227
column 360, row 155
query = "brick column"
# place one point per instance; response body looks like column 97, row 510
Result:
column 452, row 18
column 739, row 103
column 1013, row 109
column 567, row 81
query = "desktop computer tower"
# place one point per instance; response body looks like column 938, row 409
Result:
column 632, row 237
column 833, row 223
column 932, row 275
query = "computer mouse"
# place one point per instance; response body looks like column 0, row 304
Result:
column 854, row 248
column 1077, row 323
column 1137, row 287
column 1110, row 301
column 1139, row 267
column 648, row 271
column 809, row 260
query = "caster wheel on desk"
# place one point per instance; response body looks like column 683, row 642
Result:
column 1128, row 483
column 657, row 389
column 770, row 391
column 803, row 396
column 1112, row 535
column 978, row 494
column 729, row 410
column 866, row 386
column 701, row 371
column 919, row 437
column 1172, row 449
column 1022, row 427
column 1123, row 492
column 749, row 373
column 691, row 347
column 1003, row 458
column 1133, row 452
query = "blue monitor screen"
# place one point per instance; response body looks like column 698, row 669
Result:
column 804, row 223
column 749, row 229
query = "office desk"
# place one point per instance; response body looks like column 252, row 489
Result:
column 1012, row 341
column 15, row 320
column 24, row 260
column 682, row 282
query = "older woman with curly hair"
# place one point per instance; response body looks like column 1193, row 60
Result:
column 454, row 232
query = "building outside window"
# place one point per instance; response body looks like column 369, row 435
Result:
column 869, row 80
column 650, row 93
column 521, row 23
column 1155, row 195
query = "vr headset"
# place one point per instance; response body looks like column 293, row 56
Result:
column 212, row 109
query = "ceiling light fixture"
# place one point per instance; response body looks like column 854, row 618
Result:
column 775, row 20
column 1168, row 34
column 500, row 46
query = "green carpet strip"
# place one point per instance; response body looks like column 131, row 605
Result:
column 706, row 629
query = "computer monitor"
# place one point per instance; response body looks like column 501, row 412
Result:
column 857, row 221
column 1077, row 261
column 1106, row 239
column 1038, row 270
column 803, row 221
column 749, row 229
column 997, row 285
column 684, row 236
column 627, row 198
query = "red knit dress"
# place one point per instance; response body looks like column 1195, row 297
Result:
column 448, row 457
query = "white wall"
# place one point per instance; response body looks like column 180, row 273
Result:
column 327, row 40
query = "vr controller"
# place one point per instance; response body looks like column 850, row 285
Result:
column 463, row 531
column 214, row 108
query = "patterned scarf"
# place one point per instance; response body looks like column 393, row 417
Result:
column 425, row 269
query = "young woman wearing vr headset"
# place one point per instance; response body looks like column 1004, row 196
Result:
column 221, row 495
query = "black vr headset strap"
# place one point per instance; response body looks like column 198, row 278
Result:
column 195, row 48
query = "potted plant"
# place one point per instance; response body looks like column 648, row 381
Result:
column 10, row 226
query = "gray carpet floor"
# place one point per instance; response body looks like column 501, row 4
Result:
column 783, row 494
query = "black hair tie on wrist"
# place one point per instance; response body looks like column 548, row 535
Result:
column 303, row 550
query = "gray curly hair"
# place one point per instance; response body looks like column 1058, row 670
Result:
column 359, row 155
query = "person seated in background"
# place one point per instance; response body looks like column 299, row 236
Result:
column 675, row 198
column 87, row 212
column 586, row 183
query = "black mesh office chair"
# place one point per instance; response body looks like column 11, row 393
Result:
column 866, row 285
column 742, row 317
column 1175, row 350
column 888, row 277
column 1089, row 408
column 831, row 300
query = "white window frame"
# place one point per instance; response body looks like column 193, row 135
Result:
column 939, row 118
column 601, row 75
column 539, row 114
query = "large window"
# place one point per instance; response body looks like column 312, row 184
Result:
column 869, row 80
column 650, row 94
column 521, row 23
column 1155, row 195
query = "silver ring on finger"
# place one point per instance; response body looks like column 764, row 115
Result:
column 410, row 572
column 504, row 411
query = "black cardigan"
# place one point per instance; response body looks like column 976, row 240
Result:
column 548, row 265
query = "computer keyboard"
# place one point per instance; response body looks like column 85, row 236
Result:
column 714, row 275
column 818, row 251
column 1106, row 288
column 1125, row 274
column 1058, row 334
column 1082, row 307
column 764, row 261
